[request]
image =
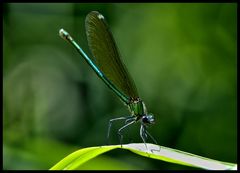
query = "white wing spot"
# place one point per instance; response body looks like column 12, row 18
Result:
column 100, row 16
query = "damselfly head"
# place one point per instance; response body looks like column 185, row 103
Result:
column 149, row 119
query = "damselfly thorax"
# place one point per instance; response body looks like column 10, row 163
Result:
column 137, row 108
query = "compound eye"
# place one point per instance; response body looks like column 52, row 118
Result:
column 145, row 119
column 148, row 119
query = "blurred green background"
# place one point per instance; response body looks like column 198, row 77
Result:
column 182, row 57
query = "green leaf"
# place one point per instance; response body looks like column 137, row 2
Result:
column 74, row 160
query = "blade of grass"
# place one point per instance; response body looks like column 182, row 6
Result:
column 79, row 157
column 178, row 157
column 74, row 160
